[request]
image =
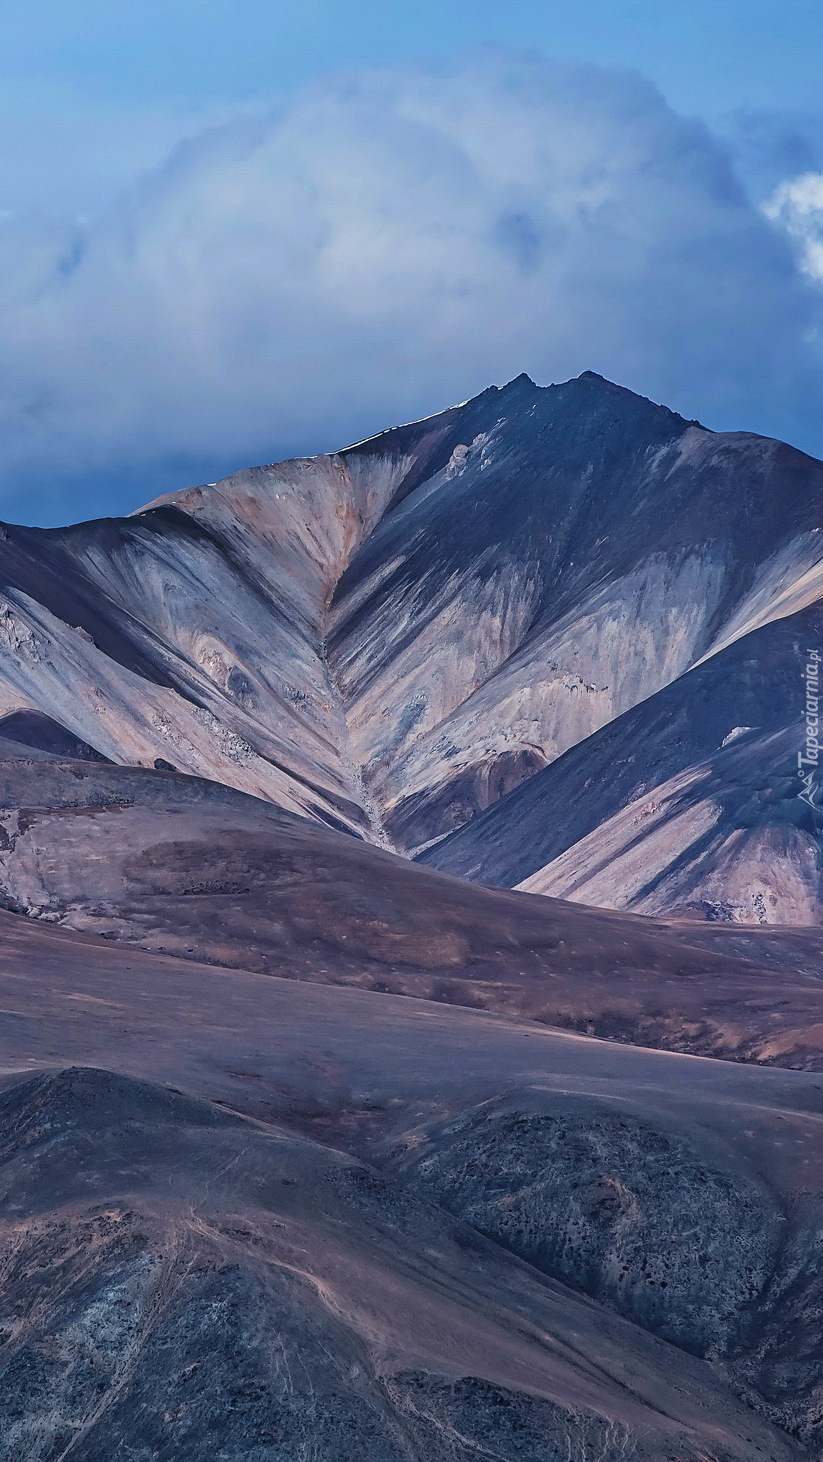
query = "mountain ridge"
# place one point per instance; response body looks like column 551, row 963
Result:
column 391, row 638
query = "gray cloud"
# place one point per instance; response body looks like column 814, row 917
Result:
column 386, row 244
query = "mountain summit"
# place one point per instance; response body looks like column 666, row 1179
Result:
column 559, row 609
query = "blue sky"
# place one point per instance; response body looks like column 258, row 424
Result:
column 95, row 89
column 708, row 57
column 233, row 229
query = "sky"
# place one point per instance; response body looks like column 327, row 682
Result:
column 236, row 230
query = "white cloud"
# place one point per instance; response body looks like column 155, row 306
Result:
column 386, row 244
column 797, row 204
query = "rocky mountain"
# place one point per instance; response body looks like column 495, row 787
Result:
column 411, row 954
column 393, row 638
column 585, row 551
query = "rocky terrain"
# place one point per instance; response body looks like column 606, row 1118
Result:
column 411, row 954
column 291, row 1235
column 394, row 638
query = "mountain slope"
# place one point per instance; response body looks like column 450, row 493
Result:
column 391, row 638
column 161, row 862
column 158, row 1254
column 690, row 803
column 180, row 1278
column 168, row 1263
column 583, row 551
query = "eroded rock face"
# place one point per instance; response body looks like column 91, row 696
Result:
column 616, row 1205
column 396, row 638
column 684, row 1234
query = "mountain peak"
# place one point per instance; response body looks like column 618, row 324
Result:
column 522, row 380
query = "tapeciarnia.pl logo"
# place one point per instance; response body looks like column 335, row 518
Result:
column 808, row 760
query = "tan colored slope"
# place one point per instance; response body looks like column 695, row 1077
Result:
column 677, row 852
column 692, row 804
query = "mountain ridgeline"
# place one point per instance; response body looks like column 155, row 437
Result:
column 550, row 638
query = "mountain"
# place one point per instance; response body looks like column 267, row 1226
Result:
column 585, row 550
column 411, row 939
column 390, row 639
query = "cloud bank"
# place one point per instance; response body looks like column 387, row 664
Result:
column 387, row 244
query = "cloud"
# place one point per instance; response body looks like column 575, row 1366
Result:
column 388, row 243
column 797, row 205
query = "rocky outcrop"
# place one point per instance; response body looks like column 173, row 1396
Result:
column 671, row 1227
